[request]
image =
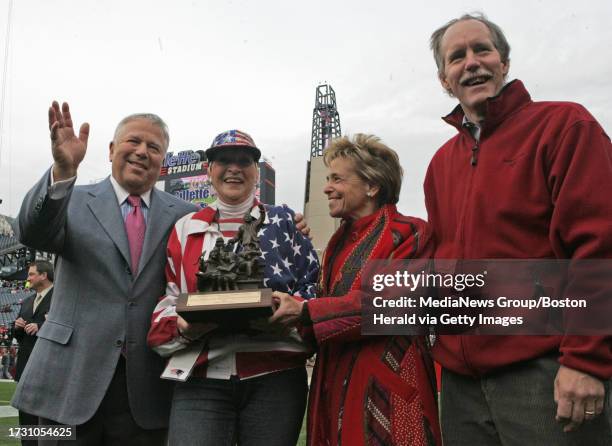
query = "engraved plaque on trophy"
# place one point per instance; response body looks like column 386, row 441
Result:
column 230, row 282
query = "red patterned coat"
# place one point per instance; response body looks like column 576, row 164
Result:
column 368, row 390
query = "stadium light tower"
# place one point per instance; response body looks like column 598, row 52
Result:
column 325, row 120
column 325, row 127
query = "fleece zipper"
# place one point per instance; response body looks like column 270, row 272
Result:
column 464, row 210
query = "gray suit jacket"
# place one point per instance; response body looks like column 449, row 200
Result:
column 98, row 303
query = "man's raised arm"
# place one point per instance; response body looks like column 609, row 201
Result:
column 42, row 216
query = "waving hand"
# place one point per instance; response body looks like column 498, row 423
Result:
column 68, row 149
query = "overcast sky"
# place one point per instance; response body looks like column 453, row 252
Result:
column 209, row 66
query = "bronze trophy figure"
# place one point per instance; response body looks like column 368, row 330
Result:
column 230, row 281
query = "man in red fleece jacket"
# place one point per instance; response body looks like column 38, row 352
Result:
column 520, row 180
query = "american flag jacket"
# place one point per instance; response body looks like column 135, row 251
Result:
column 291, row 266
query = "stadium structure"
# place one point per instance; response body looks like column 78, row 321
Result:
column 185, row 174
column 14, row 261
column 325, row 127
column 14, row 257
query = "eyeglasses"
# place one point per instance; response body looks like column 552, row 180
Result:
column 239, row 160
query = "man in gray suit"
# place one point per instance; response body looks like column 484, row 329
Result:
column 91, row 366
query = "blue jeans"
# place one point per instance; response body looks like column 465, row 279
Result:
column 266, row 411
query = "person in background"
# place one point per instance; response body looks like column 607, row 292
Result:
column 5, row 360
column 32, row 316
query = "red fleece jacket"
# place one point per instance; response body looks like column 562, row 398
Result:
column 535, row 186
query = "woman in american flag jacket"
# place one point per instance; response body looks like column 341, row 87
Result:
column 230, row 385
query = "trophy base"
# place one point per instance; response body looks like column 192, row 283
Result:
column 230, row 310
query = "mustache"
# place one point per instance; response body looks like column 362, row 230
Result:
column 480, row 73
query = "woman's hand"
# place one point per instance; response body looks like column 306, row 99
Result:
column 288, row 309
column 302, row 225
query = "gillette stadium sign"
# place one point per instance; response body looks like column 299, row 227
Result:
column 185, row 163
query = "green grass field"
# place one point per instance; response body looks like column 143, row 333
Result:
column 5, row 423
column 302, row 439
column 6, row 393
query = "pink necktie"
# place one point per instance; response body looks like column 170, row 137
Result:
column 135, row 227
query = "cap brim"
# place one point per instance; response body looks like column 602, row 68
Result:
column 210, row 153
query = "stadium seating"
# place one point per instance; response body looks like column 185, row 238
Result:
column 10, row 303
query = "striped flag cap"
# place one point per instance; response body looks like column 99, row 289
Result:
column 233, row 139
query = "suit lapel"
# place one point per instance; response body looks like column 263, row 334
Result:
column 159, row 221
column 106, row 210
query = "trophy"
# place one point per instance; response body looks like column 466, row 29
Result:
column 230, row 282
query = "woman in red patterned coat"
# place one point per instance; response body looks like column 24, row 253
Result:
column 365, row 390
